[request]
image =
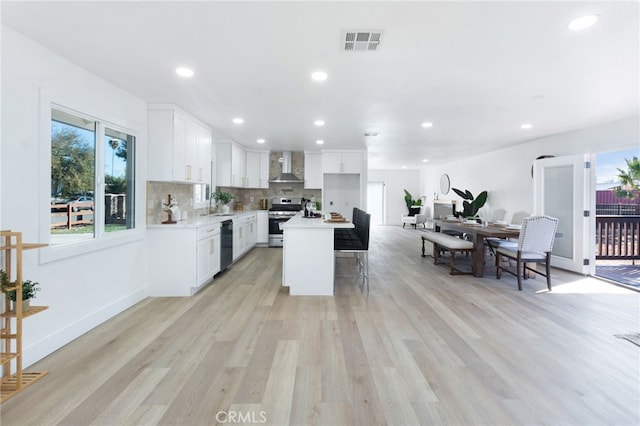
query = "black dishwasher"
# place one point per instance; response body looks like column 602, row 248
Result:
column 226, row 244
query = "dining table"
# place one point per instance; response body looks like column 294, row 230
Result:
column 478, row 232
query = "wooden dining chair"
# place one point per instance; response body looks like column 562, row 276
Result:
column 534, row 246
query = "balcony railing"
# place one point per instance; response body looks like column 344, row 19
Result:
column 618, row 237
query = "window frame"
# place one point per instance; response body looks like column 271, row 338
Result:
column 101, row 240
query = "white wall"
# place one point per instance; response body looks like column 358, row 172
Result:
column 506, row 173
column 396, row 182
column 84, row 290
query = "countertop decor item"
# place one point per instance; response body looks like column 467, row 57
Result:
column 223, row 198
column 171, row 208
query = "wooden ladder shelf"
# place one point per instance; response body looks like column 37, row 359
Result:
column 14, row 379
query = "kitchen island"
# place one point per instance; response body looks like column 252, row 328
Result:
column 308, row 255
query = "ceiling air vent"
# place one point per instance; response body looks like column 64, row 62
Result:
column 360, row 41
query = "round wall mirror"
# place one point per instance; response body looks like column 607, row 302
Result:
column 445, row 185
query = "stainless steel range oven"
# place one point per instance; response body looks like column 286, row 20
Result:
column 282, row 209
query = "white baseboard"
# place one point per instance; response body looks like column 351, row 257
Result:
column 40, row 349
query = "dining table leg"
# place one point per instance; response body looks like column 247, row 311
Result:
column 477, row 263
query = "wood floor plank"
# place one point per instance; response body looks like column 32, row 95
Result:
column 307, row 396
column 418, row 347
column 253, row 384
column 198, row 383
column 278, row 393
column 129, row 400
column 393, row 396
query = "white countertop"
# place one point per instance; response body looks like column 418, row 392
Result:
column 299, row 221
column 199, row 221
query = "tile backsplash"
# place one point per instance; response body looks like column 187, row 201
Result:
column 294, row 190
column 157, row 193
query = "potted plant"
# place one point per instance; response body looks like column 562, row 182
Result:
column 412, row 205
column 471, row 204
column 223, row 198
column 29, row 289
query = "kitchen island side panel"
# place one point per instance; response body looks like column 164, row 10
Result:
column 308, row 261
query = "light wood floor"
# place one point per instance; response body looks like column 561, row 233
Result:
column 422, row 347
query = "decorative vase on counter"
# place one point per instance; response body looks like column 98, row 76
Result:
column 224, row 209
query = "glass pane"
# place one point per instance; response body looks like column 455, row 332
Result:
column 73, row 143
column 119, row 149
column 558, row 202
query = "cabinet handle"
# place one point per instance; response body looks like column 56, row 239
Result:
column 240, row 233
column 233, row 179
column 341, row 167
column 200, row 173
column 188, row 171
column 212, row 246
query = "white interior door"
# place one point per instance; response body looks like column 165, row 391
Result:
column 563, row 188
column 375, row 202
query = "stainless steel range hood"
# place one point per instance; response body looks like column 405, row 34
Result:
column 286, row 176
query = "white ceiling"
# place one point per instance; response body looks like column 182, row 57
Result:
column 477, row 70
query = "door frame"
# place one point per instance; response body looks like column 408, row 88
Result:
column 583, row 206
column 384, row 199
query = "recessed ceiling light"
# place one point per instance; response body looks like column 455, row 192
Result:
column 238, row 120
column 404, row 167
column 320, row 142
column 427, row 124
column 319, row 76
column 526, row 126
column 424, row 160
column 319, row 123
column 184, row 72
column 260, row 141
column 582, row 22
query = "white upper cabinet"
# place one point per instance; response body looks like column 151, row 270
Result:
column 264, row 170
column 257, row 170
column 231, row 163
column 204, row 155
column 342, row 162
column 312, row 170
column 238, row 166
column 179, row 146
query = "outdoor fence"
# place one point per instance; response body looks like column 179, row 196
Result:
column 618, row 237
column 68, row 215
column 617, row 209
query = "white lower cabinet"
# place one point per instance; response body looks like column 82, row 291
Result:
column 262, row 234
column 244, row 234
column 208, row 252
column 182, row 260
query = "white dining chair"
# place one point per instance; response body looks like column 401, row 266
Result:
column 493, row 243
column 534, row 246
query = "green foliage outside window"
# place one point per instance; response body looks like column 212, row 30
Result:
column 72, row 164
